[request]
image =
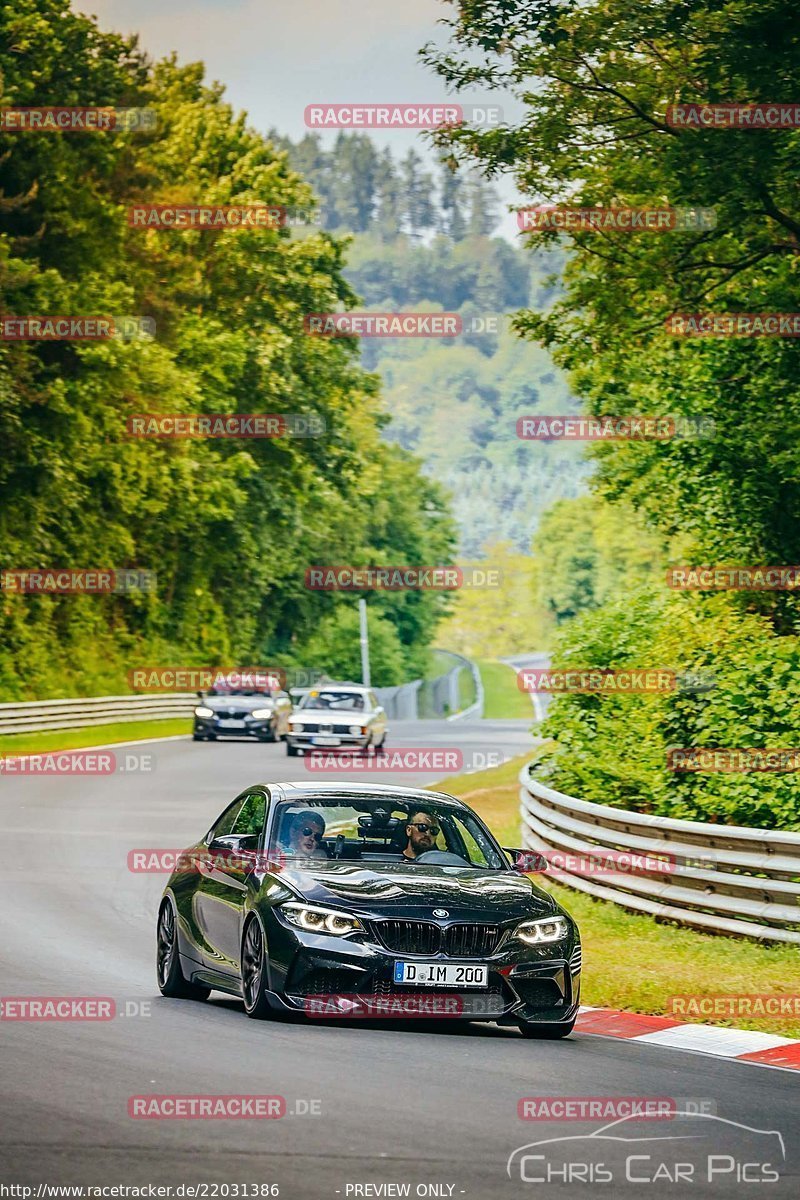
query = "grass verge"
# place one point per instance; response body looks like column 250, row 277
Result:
column 631, row 961
column 502, row 697
column 93, row 735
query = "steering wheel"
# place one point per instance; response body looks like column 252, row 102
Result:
column 441, row 858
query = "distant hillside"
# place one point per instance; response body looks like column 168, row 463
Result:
column 423, row 244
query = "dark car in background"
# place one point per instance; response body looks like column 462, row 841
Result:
column 242, row 712
column 303, row 898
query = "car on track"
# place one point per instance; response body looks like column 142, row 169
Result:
column 344, row 715
column 260, row 713
column 338, row 899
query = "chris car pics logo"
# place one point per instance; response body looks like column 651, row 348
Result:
column 693, row 1147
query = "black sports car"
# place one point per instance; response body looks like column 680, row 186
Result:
column 242, row 712
column 346, row 900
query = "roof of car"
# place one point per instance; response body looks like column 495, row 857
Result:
column 299, row 790
column 339, row 687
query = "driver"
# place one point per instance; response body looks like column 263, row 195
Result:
column 422, row 831
column 306, row 832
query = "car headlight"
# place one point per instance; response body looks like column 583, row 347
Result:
column 320, row 920
column 549, row 929
column 259, row 714
column 202, row 711
column 355, row 729
column 295, row 724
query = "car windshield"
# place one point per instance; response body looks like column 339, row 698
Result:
column 334, row 701
column 222, row 689
column 383, row 829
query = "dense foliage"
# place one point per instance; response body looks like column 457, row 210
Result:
column 228, row 526
column 595, row 81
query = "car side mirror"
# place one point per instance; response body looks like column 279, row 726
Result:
column 527, row 862
column 236, row 843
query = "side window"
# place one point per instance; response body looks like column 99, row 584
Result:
column 374, row 701
column 251, row 816
column 224, row 824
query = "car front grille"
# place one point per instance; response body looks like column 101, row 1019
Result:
column 233, row 714
column 330, row 730
column 410, row 937
column 465, row 940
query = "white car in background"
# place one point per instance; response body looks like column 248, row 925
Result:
column 345, row 715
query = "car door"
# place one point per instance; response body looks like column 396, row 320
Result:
column 222, row 885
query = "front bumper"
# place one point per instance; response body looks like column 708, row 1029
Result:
column 211, row 727
column 344, row 741
column 329, row 976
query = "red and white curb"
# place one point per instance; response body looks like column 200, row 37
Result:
column 745, row 1045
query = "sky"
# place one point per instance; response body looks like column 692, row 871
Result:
column 275, row 57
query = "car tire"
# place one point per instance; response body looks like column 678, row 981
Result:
column 381, row 749
column 291, row 750
column 254, row 961
column 171, row 980
column 545, row 1030
column 271, row 736
column 198, row 737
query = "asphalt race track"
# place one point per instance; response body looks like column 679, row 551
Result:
column 431, row 1106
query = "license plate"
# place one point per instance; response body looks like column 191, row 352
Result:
column 326, row 741
column 231, row 723
column 421, row 974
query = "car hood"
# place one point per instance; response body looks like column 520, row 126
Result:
column 415, row 890
column 354, row 717
column 223, row 704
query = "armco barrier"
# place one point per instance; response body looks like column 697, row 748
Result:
column 746, row 882
column 40, row 715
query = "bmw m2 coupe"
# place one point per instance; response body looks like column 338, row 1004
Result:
column 347, row 900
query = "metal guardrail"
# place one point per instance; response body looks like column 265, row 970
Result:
column 720, row 878
column 40, row 715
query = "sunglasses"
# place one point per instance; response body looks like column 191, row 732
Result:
column 311, row 833
column 423, row 827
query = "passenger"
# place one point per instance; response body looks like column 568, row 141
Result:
column 422, row 831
